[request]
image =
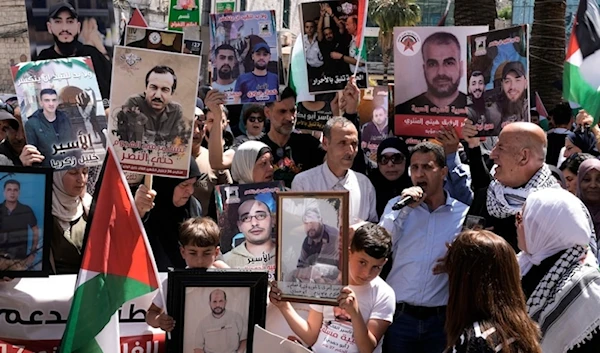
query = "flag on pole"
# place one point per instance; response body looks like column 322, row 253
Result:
column 299, row 73
column 581, row 77
column 363, row 10
column 117, row 266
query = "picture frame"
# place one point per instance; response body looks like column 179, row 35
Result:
column 30, row 191
column 189, row 292
column 307, row 273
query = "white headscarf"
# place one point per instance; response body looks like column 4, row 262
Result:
column 244, row 160
column 554, row 220
column 67, row 208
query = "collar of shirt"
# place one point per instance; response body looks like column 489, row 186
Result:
column 331, row 180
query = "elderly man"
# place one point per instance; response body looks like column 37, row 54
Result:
column 519, row 157
column 221, row 331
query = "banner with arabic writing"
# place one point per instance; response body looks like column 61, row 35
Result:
column 33, row 320
column 153, row 98
column 61, row 110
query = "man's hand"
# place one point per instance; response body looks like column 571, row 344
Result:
column 275, row 296
column 417, row 193
column 583, row 119
column 144, row 199
column 469, row 132
column 166, row 323
column 83, row 99
column 30, row 155
column 449, row 139
column 214, row 100
column 335, row 55
column 347, row 301
column 349, row 101
column 91, row 35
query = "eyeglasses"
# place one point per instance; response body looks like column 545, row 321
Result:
column 396, row 158
column 254, row 119
column 260, row 216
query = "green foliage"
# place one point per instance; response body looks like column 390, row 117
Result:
column 394, row 13
column 505, row 13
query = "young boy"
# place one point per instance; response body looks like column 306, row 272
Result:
column 365, row 308
column 199, row 246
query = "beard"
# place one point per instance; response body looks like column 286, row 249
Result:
column 442, row 94
column 509, row 108
column 225, row 75
column 66, row 49
column 259, row 66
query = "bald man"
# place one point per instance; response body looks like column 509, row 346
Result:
column 519, row 159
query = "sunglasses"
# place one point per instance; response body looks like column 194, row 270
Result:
column 254, row 119
column 396, row 158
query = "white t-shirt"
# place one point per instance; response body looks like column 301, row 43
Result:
column 376, row 300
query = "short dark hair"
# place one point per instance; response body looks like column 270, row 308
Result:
column 254, row 109
column 561, row 114
column 161, row 69
column 373, row 239
column 47, row 91
column 13, row 182
column 199, row 231
column 574, row 161
column 534, row 112
column 329, row 28
column 224, row 108
column 224, row 47
column 476, row 73
column 311, row 21
column 426, row 147
column 331, row 123
column 286, row 93
column 440, row 38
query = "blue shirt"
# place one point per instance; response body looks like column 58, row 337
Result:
column 458, row 181
column 419, row 240
column 257, row 89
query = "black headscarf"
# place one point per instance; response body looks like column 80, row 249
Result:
column 585, row 140
column 385, row 189
column 163, row 221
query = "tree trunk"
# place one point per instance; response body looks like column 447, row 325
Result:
column 475, row 13
column 547, row 50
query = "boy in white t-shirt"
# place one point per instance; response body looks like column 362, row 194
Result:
column 365, row 307
column 199, row 246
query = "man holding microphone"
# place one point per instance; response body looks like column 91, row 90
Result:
column 421, row 221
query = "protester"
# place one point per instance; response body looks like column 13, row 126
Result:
column 365, row 307
column 458, row 181
column 580, row 142
column 11, row 124
column 486, row 305
column 420, row 232
column 561, row 116
column 70, row 209
column 559, row 270
column 252, row 163
column 588, row 188
column 252, row 124
column 570, row 169
column 163, row 209
column 199, row 247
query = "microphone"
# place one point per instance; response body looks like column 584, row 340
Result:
column 403, row 203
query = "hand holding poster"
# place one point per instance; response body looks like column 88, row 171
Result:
column 429, row 69
column 245, row 53
column 498, row 75
column 62, row 111
column 152, row 109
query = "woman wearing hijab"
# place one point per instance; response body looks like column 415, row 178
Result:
column 252, row 124
column 391, row 176
column 588, row 183
column 252, row 163
column 486, row 310
column 173, row 204
column 580, row 142
column 70, row 206
column 570, row 169
column 560, row 275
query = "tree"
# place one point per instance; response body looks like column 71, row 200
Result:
column 388, row 14
column 475, row 13
column 547, row 50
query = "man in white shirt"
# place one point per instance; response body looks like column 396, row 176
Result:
column 312, row 52
column 340, row 140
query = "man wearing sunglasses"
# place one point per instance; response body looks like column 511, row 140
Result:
column 10, row 123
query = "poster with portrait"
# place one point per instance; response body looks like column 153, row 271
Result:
column 25, row 221
column 375, row 105
column 183, row 13
column 246, row 215
column 430, row 65
column 244, row 48
column 498, row 78
column 62, row 111
column 155, row 39
column 153, row 99
column 313, row 115
column 332, row 33
column 215, row 311
column 312, row 253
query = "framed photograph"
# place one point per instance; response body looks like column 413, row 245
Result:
column 154, row 39
column 25, row 221
column 215, row 311
column 312, row 253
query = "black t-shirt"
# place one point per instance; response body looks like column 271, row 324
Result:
column 14, row 230
column 302, row 152
column 556, row 141
column 7, row 150
column 102, row 66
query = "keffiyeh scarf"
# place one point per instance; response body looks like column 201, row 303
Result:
column 565, row 302
column 503, row 202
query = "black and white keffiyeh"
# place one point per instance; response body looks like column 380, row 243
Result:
column 503, row 201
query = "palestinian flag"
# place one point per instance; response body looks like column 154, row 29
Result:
column 137, row 19
column 363, row 10
column 117, row 266
column 581, row 77
column 299, row 73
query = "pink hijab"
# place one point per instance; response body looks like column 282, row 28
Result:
column 594, row 208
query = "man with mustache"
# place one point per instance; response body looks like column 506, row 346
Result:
column 64, row 25
column 443, row 70
column 320, row 244
column 476, row 100
column 257, row 251
column 340, row 141
column 152, row 117
column 221, row 331
column 259, row 85
column 225, row 60
column 512, row 104
column 11, row 124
